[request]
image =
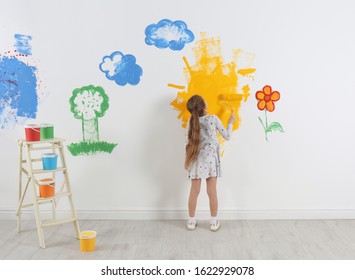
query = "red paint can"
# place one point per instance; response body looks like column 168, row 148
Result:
column 33, row 132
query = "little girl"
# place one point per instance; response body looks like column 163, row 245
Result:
column 203, row 156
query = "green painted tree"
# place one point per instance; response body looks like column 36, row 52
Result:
column 89, row 103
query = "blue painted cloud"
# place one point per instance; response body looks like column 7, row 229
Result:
column 18, row 91
column 121, row 68
column 168, row 34
column 23, row 44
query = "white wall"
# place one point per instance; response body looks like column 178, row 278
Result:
column 305, row 49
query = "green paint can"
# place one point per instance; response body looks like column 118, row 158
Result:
column 47, row 131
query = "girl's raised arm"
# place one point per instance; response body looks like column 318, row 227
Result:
column 226, row 133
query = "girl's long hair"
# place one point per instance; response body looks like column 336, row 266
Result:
column 196, row 106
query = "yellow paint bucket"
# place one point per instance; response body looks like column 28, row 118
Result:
column 87, row 240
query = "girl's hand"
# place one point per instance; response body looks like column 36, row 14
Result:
column 232, row 118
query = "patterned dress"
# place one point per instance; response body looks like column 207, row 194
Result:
column 208, row 163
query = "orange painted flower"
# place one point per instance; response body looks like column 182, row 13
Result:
column 266, row 98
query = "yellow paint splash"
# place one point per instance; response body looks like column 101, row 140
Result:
column 176, row 86
column 246, row 71
column 215, row 81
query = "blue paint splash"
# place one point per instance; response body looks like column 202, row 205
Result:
column 22, row 44
column 121, row 68
column 168, row 34
column 18, row 90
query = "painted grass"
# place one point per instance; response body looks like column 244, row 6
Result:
column 87, row 148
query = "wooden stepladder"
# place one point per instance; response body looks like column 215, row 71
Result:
column 28, row 161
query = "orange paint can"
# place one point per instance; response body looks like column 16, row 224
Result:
column 46, row 187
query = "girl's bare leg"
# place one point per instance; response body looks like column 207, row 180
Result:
column 212, row 194
column 194, row 192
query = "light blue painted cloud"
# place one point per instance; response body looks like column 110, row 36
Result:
column 23, row 44
column 121, row 68
column 168, row 34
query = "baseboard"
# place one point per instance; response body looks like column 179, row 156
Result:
column 182, row 214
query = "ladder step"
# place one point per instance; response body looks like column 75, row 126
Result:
column 54, row 140
column 40, row 171
column 32, row 204
column 32, row 160
column 26, row 206
column 46, row 148
column 57, row 195
column 44, row 200
column 58, row 222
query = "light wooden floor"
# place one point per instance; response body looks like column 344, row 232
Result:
column 266, row 239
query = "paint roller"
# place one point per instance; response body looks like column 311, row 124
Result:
column 222, row 98
column 232, row 97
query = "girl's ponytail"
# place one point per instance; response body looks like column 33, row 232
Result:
column 193, row 146
column 196, row 107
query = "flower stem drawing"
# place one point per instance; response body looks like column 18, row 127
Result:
column 266, row 102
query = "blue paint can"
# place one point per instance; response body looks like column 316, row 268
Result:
column 49, row 161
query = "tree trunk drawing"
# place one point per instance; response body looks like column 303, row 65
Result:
column 90, row 130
